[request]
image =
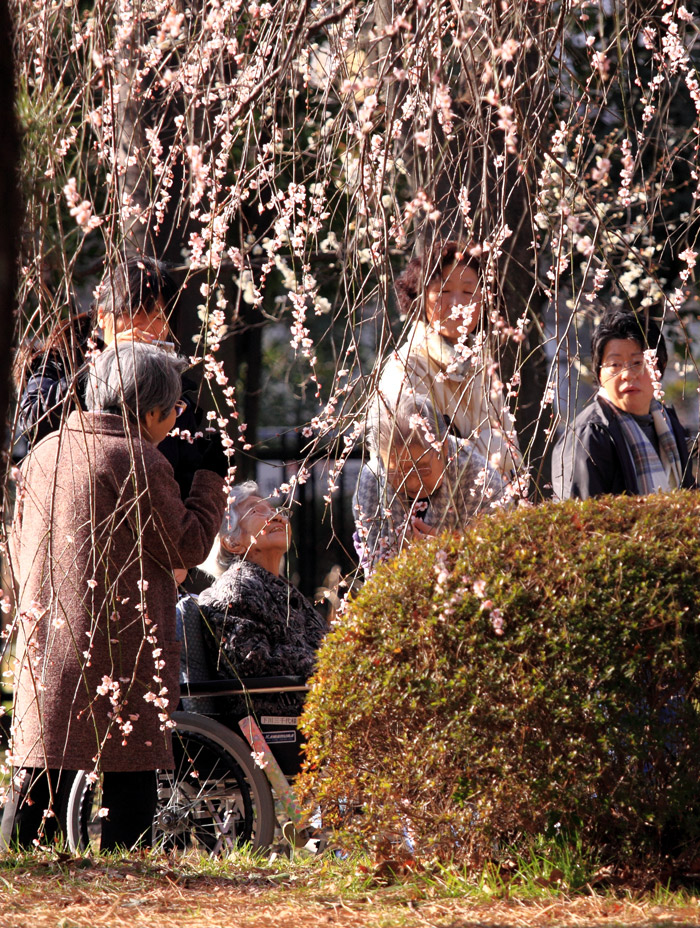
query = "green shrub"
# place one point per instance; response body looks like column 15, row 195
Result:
column 537, row 675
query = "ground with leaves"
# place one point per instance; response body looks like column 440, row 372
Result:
column 67, row 892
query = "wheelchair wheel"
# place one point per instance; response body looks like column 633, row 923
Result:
column 214, row 800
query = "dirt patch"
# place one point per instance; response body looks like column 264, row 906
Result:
column 127, row 898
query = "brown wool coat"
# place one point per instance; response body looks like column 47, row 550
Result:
column 99, row 529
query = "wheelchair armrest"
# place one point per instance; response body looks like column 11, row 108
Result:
column 242, row 685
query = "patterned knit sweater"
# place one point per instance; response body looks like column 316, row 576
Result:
column 260, row 626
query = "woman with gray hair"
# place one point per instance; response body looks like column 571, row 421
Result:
column 99, row 529
column 418, row 480
column 137, row 381
column 254, row 622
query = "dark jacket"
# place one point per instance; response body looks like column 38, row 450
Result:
column 592, row 457
column 54, row 386
column 52, row 391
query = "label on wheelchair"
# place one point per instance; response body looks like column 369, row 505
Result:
column 280, row 737
column 279, row 720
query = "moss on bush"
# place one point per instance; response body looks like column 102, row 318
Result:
column 537, row 674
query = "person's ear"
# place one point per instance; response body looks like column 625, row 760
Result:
column 230, row 545
column 105, row 322
column 148, row 420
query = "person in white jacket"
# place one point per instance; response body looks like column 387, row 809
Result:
column 441, row 358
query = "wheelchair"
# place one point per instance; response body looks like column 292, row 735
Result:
column 217, row 798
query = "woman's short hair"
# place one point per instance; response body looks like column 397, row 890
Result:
column 134, row 285
column 412, row 419
column 628, row 325
column 220, row 558
column 423, row 269
column 134, row 378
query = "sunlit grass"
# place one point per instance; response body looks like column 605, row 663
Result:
column 555, row 881
column 548, row 870
column 549, row 885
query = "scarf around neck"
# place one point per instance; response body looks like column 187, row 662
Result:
column 655, row 472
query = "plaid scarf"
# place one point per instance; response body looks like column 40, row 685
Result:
column 655, row 472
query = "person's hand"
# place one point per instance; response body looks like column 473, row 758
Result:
column 421, row 529
column 147, row 338
column 180, row 574
column 213, row 457
column 134, row 335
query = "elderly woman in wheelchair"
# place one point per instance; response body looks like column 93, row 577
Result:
column 251, row 630
column 248, row 648
column 251, row 622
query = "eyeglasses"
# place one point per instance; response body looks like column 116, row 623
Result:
column 267, row 509
column 402, row 464
column 422, row 468
column 617, row 367
column 179, row 408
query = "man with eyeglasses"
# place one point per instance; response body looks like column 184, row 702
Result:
column 135, row 302
column 626, row 441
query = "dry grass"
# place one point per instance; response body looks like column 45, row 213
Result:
column 83, row 893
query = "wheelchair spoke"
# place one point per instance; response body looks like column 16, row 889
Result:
column 206, row 802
